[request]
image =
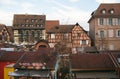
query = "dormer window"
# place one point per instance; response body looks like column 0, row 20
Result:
column 103, row 11
column 111, row 11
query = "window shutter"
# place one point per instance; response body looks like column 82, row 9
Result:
column 87, row 42
column 52, row 36
column 80, row 42
column 99, row 33
column 107, row 21
column 104, row 21
column 98, row 21
column 110, row 33
column 105, row 33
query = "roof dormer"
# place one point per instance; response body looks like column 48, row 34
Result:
column 103, row 11
column 111, row 11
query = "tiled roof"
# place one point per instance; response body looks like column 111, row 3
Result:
column 51, row 23
column 41, row 56
column 10, row 56
column 44, row 55
column 61, row 29
column 107, row 7
column 37, row 58
column 91, row 61
column 28, row 19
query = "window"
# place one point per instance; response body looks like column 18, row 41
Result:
column 83, row 42
column 118, row 21
column 101, row 21
column 38, row 25
column 32, row 20
column 103, row 11
column 20, row 35
column 118, row 33
column 26, row 20
column 111, row 47
column 36, row 20
column 110, row 21
column 31, row 25
column 26, row 25
column 22, row 25
column 52, row 35
column 33, row 33
column 110, row 33
column 101, row 33
column 41, row 20
column 102, row 47
column 41, row 25
column 66, row 35
column 111, row 11
column 78, row 34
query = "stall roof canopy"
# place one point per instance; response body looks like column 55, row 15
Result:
column 30, row 73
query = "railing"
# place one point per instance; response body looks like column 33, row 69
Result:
column 116, row 63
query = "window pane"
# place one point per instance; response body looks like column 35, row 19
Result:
column 101, row 21
column 83, row 41
column 102, row 34
column 118, row 21
column 52, row 36
column 118, row 33
column 110, row 21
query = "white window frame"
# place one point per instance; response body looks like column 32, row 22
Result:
column 110, row 21
column 100, row 35
column 111, row 47
column 52, row 35
column 83, row 42
column 111, row 33
column 118, row 21
column 118, row 33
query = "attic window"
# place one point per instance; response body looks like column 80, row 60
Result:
column 111, row 11
column 103, row 11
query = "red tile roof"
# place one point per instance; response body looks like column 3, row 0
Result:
column 107, row 7
column 51, row 23
column 10, row 56
column 61, row 29
column 91, row 61
column 41, row 56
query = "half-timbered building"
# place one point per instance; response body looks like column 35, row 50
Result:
column 73, row 35
column 4, row 34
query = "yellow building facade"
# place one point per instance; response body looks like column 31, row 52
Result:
column 8, row 69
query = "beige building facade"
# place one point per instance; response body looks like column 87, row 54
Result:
column 28, row 29
column 104, row 27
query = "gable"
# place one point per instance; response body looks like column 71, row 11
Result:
column 77, row 28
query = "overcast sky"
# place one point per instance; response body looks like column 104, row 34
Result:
column 67, row 11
